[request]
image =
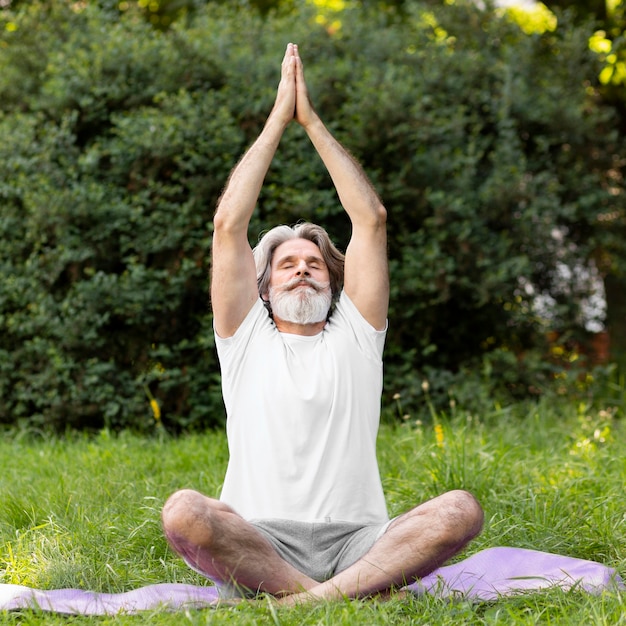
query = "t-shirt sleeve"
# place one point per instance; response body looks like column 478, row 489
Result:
column 371, row 341
column 228, row 348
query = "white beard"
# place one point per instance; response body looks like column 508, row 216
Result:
column 301, row 304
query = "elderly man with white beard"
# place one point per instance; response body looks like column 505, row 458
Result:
column 300, row 330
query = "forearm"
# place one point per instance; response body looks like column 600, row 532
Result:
column 236, row 205
column 356, row 193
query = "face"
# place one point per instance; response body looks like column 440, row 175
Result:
column 297, row 258
column 299, row 290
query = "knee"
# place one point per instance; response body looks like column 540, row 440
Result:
column 187, row 513
column 464, row 514
column 178, row 509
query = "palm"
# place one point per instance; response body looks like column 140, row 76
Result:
column 304, row 109
column 286, row 95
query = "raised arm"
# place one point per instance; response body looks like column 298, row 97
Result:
column 233, row 274
column 366, row 279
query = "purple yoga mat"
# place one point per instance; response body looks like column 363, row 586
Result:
column 497, row 572
column 487, row 575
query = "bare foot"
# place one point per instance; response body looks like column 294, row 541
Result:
column 226, row 602
column 305, row 597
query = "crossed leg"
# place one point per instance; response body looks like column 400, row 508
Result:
column 218, row 542
column 215, row 540
column 415, row 544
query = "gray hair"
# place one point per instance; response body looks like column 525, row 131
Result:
column 264, row 251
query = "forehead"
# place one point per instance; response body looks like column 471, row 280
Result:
column 298, row 248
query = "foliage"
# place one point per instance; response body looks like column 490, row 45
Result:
column 495, row 159
column 604, row 21
column 85, row 511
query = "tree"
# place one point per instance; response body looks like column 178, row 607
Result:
column 605, row 21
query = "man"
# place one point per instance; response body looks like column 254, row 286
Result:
column 302, row 513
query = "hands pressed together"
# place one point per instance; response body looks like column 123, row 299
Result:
column 292, row 98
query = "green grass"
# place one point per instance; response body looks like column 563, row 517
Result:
column 84, row 512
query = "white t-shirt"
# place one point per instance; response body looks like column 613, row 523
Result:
column 302, row 419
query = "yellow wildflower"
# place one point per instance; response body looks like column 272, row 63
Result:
column 439, row 437
column 156, row 409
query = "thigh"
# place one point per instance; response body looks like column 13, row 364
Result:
column 320, row 550
column 358, row 544
column 292, row 540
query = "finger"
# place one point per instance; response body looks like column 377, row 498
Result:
column 288, row 58
column 296, row 54
column 289, row 53
column 299, row 71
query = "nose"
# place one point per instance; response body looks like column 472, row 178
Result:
column 302, row 269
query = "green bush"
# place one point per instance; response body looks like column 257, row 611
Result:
column 116, row 139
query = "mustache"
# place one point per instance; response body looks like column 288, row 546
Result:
column 298, row 281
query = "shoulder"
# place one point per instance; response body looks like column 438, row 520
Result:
column 347, row 312
column 257, row 319
column 348, row 328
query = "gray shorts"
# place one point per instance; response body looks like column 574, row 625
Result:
column 320, row 550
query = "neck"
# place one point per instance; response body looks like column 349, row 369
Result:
column 306, row 330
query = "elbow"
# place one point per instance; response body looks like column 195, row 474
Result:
column 379, row 215
column 372, row 216
column 220, row 223
column 224, row 222
column 220, row 217
column 381, row 212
